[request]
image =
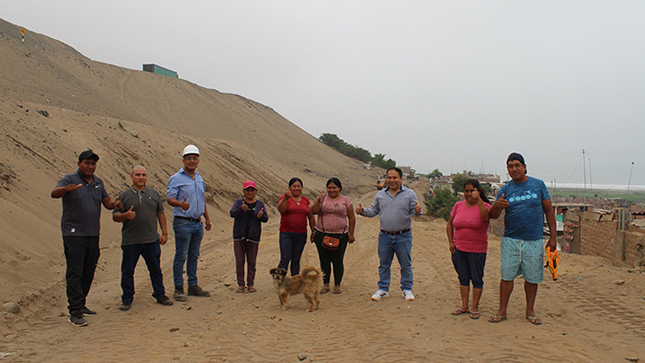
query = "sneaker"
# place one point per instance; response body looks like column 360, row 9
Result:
column 86, row 311
column 408, row 295
column 76, row 318
column 197, row 291
column 125, row 306
column 179, row 294
column 164, row 300
column 380, row 294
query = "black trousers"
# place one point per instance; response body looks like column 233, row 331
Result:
column 327, row 257
column 81, row 254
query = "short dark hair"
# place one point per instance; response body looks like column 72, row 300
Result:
column 334, row 181
column 395, row 169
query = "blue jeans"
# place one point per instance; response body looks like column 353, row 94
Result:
column 151, row 253
column 188, row 239
column 388, row 246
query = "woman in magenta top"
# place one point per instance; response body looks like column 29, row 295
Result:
column 467, row 231
column 335, row 218
column 294, row 215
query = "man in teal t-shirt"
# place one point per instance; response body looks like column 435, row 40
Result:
column 525, row 200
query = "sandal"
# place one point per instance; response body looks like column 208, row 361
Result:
column 337, row 290
column 459, row 312
column 474, row 314
column 252, row 289
column 534, row 320
column 240, row 290
column 496, row 319
column 324, row 290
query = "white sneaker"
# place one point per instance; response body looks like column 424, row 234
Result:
column 408, row 295
column 380, row 294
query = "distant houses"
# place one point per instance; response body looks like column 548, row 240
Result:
column 153, row 68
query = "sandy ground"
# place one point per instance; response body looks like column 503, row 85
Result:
column 593, row 313
column 55, row 102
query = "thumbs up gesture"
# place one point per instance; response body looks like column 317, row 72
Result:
column 244, row 207
column 417, row 208
column 130, row 214
column 501, row 203
column 185, row 205
column 117, row 203
column 359, row 209
column 260, row 213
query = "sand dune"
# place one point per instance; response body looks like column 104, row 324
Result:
column 593, row 313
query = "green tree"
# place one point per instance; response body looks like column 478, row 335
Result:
column 379, row 160
column 435, row 173
column 440, row 204
column 458, row 182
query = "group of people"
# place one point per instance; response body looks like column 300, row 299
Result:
column 140, row 210
column 525, row 200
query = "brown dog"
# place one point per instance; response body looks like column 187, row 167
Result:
column 308, row 283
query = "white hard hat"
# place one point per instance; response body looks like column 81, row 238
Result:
column 190, row 150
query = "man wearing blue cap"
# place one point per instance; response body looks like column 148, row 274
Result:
column 525, row 200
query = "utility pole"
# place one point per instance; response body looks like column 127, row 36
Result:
column 584, row 172
column 630, row 176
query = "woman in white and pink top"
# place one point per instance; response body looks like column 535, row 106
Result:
column 336, row 218
column 467, row 231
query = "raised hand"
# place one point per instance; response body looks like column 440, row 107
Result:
column 475, row 194
column 319, row 197
column 185, row 205
column 261, row 213
column 117, row 203
column 359, row 209
column 130, row 214
column 244, row 207
column 501, row 203
column 288, row 193
column 417, row 208
column 72, row 187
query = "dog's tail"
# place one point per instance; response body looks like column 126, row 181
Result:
column 312, row 273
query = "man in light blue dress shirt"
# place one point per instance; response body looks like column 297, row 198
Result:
column 394, row 205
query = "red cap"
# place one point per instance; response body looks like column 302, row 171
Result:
column 250, row 184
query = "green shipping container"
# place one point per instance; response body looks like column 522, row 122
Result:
column 160, row 70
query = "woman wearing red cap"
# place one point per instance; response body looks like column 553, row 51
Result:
column 249, row 214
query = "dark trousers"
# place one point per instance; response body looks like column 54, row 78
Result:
column 328, row 257
column 245, row 250
column 292, row 245
column 81, row 254
column 151, row 253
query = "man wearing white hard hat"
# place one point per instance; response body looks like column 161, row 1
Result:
column 185, row 193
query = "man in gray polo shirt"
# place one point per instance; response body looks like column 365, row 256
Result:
column 142, row 208
column 394, row 205
column 82, row 193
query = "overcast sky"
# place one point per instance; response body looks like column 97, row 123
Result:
column 451, row 85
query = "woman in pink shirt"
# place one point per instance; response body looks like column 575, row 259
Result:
column 336, row 218
column 467, row 231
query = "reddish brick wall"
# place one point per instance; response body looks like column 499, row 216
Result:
column 633, row 236
column 598, row 238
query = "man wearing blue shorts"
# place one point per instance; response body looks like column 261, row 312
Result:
column 525, row 199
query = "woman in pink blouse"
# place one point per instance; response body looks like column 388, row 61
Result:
column 336, row 219
column 467, row 231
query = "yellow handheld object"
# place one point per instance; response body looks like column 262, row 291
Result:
column 552, row 262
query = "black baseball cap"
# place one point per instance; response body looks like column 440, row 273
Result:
column 88, row 154
column 516, row 156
